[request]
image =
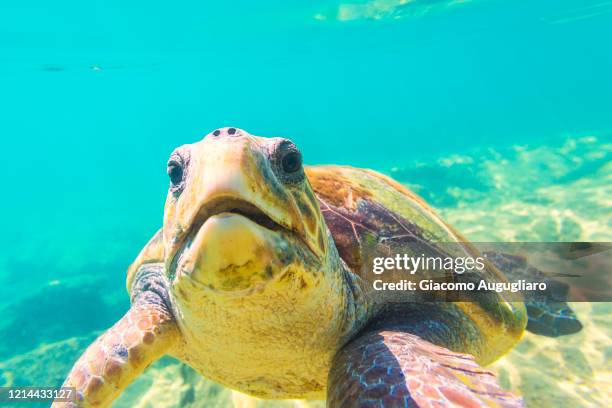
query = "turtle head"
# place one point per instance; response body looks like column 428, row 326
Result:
column 241, row 213
column 250, row 260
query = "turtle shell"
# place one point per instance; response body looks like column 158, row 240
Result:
column 371, row 215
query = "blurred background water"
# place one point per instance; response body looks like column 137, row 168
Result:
column 497, row 112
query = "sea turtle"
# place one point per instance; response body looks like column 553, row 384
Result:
column 260, row 280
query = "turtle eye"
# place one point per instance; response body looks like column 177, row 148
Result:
column 291, row 162
column 287, row 161
column 175, row 172
column 178, row 169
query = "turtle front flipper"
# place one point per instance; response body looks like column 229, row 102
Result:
column 144, row 334
column 394, row 368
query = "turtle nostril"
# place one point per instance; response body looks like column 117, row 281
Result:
column 217, row 132
column 231, row 131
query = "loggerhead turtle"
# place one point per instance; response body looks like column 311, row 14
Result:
column 258, row 280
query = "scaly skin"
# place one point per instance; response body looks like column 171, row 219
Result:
column 144, row 334
column 393, row 368
column 549, row 314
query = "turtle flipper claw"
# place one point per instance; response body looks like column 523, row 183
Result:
column 145, row 333
column 390, row 368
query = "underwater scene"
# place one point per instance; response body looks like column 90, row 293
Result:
column 497, row 113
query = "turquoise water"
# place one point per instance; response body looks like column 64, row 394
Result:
column 497, row 112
